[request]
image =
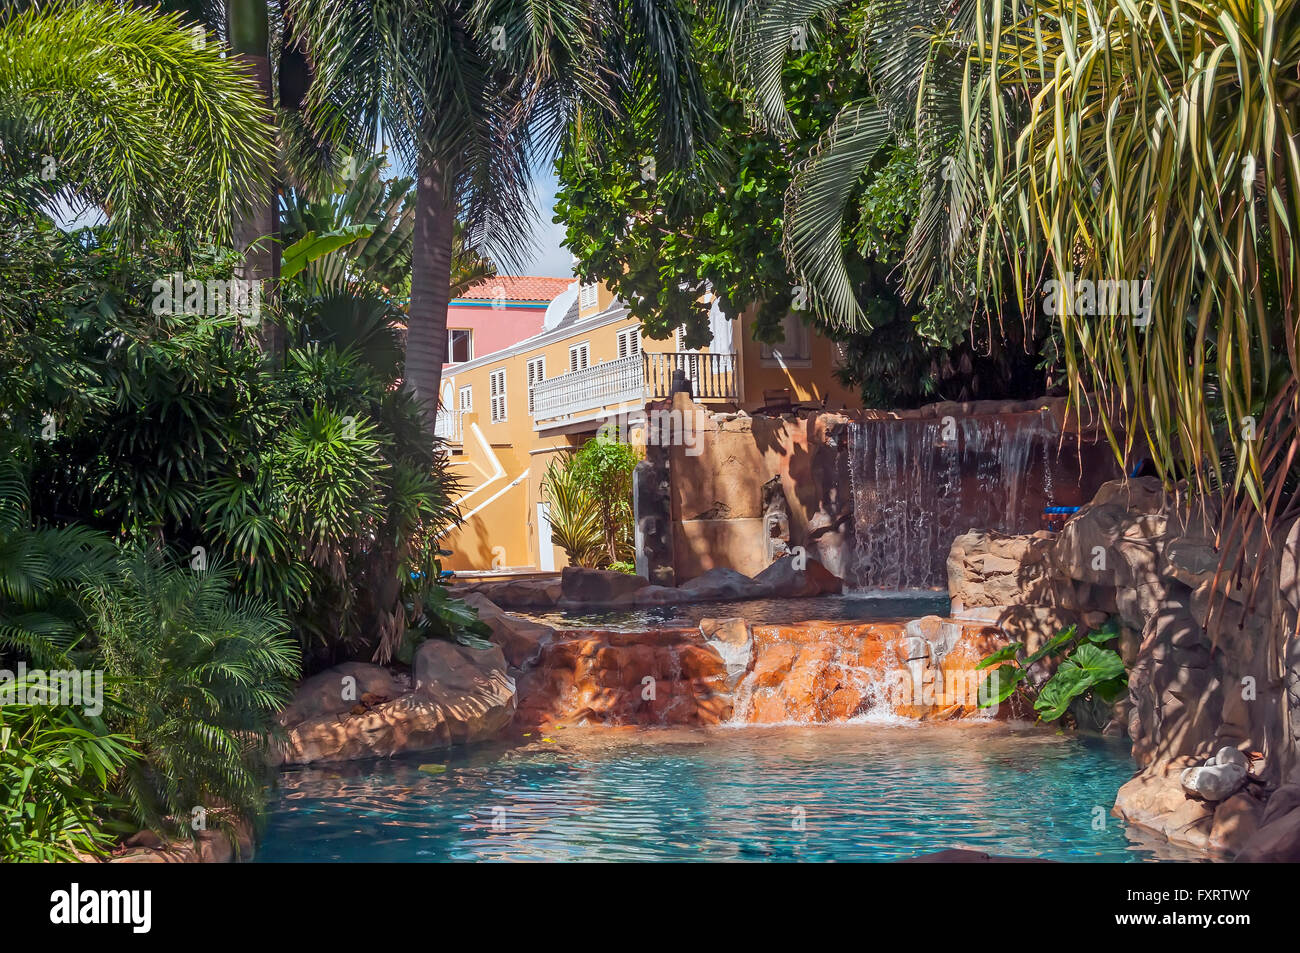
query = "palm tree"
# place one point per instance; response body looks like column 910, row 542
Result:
column 468, row 267
column 902, row 43
column 120, row 108
column 257, row 229
column 470, row 93
column 1103, row 141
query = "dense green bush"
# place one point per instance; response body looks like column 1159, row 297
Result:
column 199, row 674
column 313, row 480
column 57, row 768
column 590, row 492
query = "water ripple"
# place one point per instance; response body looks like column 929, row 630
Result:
column 854, row 792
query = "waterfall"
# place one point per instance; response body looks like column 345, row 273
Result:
column 915, row 491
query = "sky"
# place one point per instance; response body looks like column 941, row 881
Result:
column 550, row 257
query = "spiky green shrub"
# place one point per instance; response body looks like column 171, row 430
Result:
column 41, row 570
column 576, row 525
column 200, row 675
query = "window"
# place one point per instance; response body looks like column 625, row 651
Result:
column 588, row 296
column 579, row 357
column 679, row 337
column 629, row 342
column 460, row 345
column 794, row 344
column 466, row 399
column 536, row 374
column 497, row 395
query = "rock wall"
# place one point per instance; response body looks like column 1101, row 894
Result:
column 748, row 489
column 730, row 670
column 454, row 695
column 1200, row 693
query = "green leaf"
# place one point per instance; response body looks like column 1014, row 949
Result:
column 312, row 247
column 1111, row 690
column 1006, row 654
column 999, row 685
column 1086, row 667
column 1108, row 631
column 1052, row 645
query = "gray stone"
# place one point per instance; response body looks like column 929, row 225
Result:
column 1220, row 777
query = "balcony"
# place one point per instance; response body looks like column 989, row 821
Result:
column 634, row 379
column 447, row 427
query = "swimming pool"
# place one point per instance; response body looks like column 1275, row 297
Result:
column 854, row 792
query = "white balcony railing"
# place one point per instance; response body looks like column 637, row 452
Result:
column 638, row 377
column 601, row 385
column 447, row 425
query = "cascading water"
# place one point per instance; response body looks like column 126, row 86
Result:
column 919, row 483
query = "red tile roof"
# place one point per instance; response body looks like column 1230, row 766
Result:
column 518, row 288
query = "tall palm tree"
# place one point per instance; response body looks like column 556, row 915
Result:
column 118, row 108
column 257, row 229
column 471, row 93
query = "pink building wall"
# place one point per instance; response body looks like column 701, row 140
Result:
column 503, row 310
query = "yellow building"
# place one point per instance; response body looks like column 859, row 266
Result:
column 505, row 415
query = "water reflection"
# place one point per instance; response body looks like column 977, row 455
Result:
column 864, row 606
column 853, row 792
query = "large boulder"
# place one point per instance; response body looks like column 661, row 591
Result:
column 1276, row 841
column 721, row 585
column 1219, row 778
column 341, row 689
column 212, row 846
column 527, row 593
column 783, row 580
column 521, row 640
column 596, row 587
column 461, row 695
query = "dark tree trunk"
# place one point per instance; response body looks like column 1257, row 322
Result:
column 257, row 231
column 431, row 247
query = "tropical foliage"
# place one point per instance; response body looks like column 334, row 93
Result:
column 57, row 767
column 576, row 525
column 590, row 492
column 199, row 674
column 197, row 518
column 121, row 109
column 1086, row 668
column 1157, row 143
column 671, row 243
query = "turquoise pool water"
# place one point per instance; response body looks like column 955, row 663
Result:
column 843, row 793
column 851, row 607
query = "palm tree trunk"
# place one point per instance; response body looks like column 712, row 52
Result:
column 257, row 232
column 431, row 247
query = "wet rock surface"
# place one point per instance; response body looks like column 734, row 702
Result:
column 1214, row 728
column 732, row 670
column 457, row 695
